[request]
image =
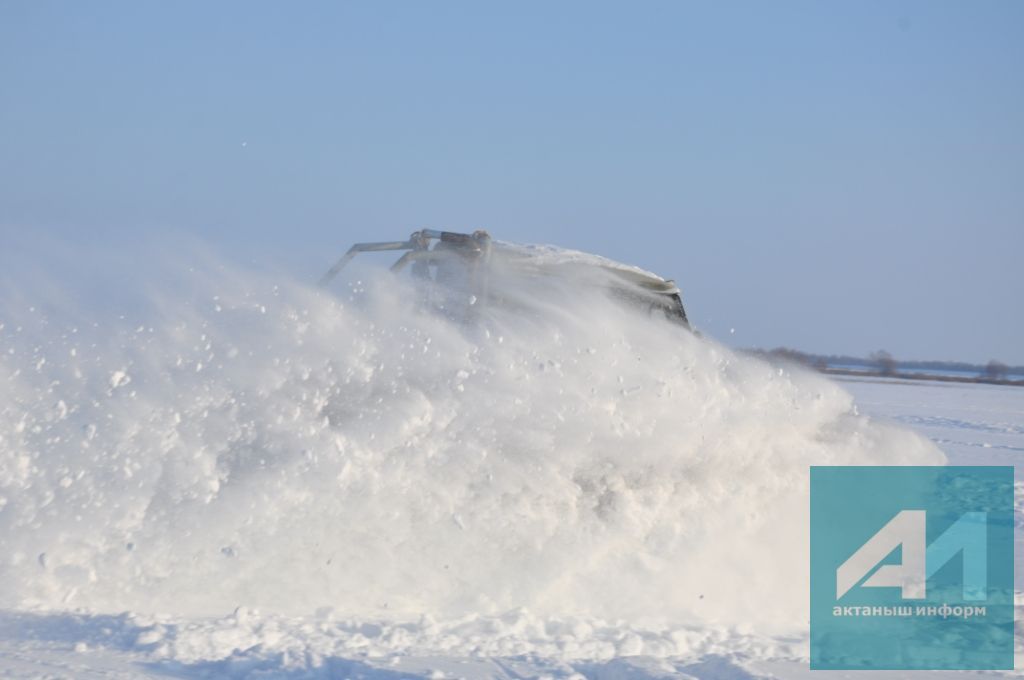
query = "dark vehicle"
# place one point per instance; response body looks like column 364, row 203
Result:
column 468, row 262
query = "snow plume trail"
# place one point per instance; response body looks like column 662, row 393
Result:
column 260, row 443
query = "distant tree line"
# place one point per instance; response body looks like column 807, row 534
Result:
column 884, row 363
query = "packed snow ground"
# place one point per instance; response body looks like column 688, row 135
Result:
column 263, row 481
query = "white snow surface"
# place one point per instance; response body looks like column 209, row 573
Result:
column 260, row 479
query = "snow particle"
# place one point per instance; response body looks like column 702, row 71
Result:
column 119, row 378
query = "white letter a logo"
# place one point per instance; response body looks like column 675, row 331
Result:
column 906, row 529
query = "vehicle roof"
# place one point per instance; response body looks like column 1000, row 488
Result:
column 548, row 256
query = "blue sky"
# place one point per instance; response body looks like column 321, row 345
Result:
column 837, row 177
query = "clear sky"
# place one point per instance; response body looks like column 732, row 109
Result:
column 833, row 176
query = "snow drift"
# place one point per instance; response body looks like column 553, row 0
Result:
column 263, row 444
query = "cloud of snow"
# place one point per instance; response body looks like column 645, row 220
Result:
column 252, row 441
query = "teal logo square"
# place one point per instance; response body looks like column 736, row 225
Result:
column 912, row 568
